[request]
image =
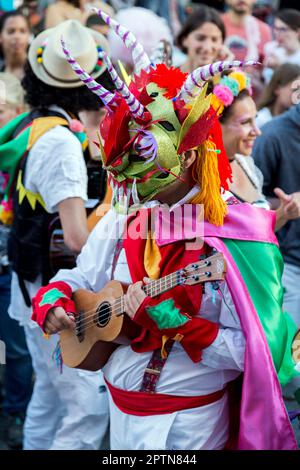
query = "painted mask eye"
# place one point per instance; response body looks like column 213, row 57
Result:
column 154, row 94
column 162, row 176
column 133, row 158
column 167, row 125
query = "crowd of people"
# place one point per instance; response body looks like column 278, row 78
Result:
column 108, row 111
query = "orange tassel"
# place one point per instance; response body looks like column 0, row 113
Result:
column 206, row 175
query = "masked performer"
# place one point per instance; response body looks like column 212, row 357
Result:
column 201, row 372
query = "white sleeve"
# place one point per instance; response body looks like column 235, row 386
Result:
column 227, row 352
column 94, row 263
column 56, row 169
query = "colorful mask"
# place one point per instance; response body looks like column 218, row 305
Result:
column 152, row 120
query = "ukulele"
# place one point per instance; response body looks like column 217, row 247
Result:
column 101, row 325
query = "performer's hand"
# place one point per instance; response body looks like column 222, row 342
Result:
column 134, row 297
column 289, row 204
column 225, row 53
column 57, row 320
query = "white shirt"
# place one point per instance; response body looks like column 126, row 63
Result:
column 56, row 170
column 263, row 116
column 204, row 427
column 255, row 176
column 221, row 362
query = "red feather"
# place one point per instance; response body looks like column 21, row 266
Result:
column 198, row 132
column 114, row 130
column 170, row 79
column 141, row 80
column 181, row 110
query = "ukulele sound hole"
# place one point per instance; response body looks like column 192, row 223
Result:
column 103, row 314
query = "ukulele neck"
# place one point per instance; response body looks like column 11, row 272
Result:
column 157, row 287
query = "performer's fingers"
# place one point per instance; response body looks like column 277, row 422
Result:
column 133, row 298
column 137, row 292
column 285, row 198
column 54, row 322
column 49, row 328
column 65, row 320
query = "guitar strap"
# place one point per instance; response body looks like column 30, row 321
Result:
column 154, row 368
column 156, row 362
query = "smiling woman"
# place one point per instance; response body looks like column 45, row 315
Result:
column 238, row 120
column 202, row 38
column 14, row 41
column 233, row 94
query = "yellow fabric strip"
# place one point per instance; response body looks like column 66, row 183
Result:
column 41, row 125
column 152, row 257
column 32, row 198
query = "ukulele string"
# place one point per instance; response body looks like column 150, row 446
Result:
column 117, row 307
column 91, row 324
column 87, row 324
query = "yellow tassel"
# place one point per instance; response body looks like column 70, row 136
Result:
column 206, row 175
column 163, row 351
column 6, row 217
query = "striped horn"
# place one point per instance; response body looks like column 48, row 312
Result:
column 140, row 58
column 200, row 75
column 106, row 96
column 135, row 107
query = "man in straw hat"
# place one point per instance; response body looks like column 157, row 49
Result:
column 43, row 153
column 169, row 389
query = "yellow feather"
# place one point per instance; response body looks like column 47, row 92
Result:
column 200, row 105
column 126, row 77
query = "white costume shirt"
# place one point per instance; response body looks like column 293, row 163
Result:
column 56, row 170
column 205, row 427
column 264, row 115
column 255, row 176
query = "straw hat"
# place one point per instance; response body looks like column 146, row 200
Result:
column 48, row 61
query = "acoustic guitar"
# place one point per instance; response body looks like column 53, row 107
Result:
column 101, row 325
